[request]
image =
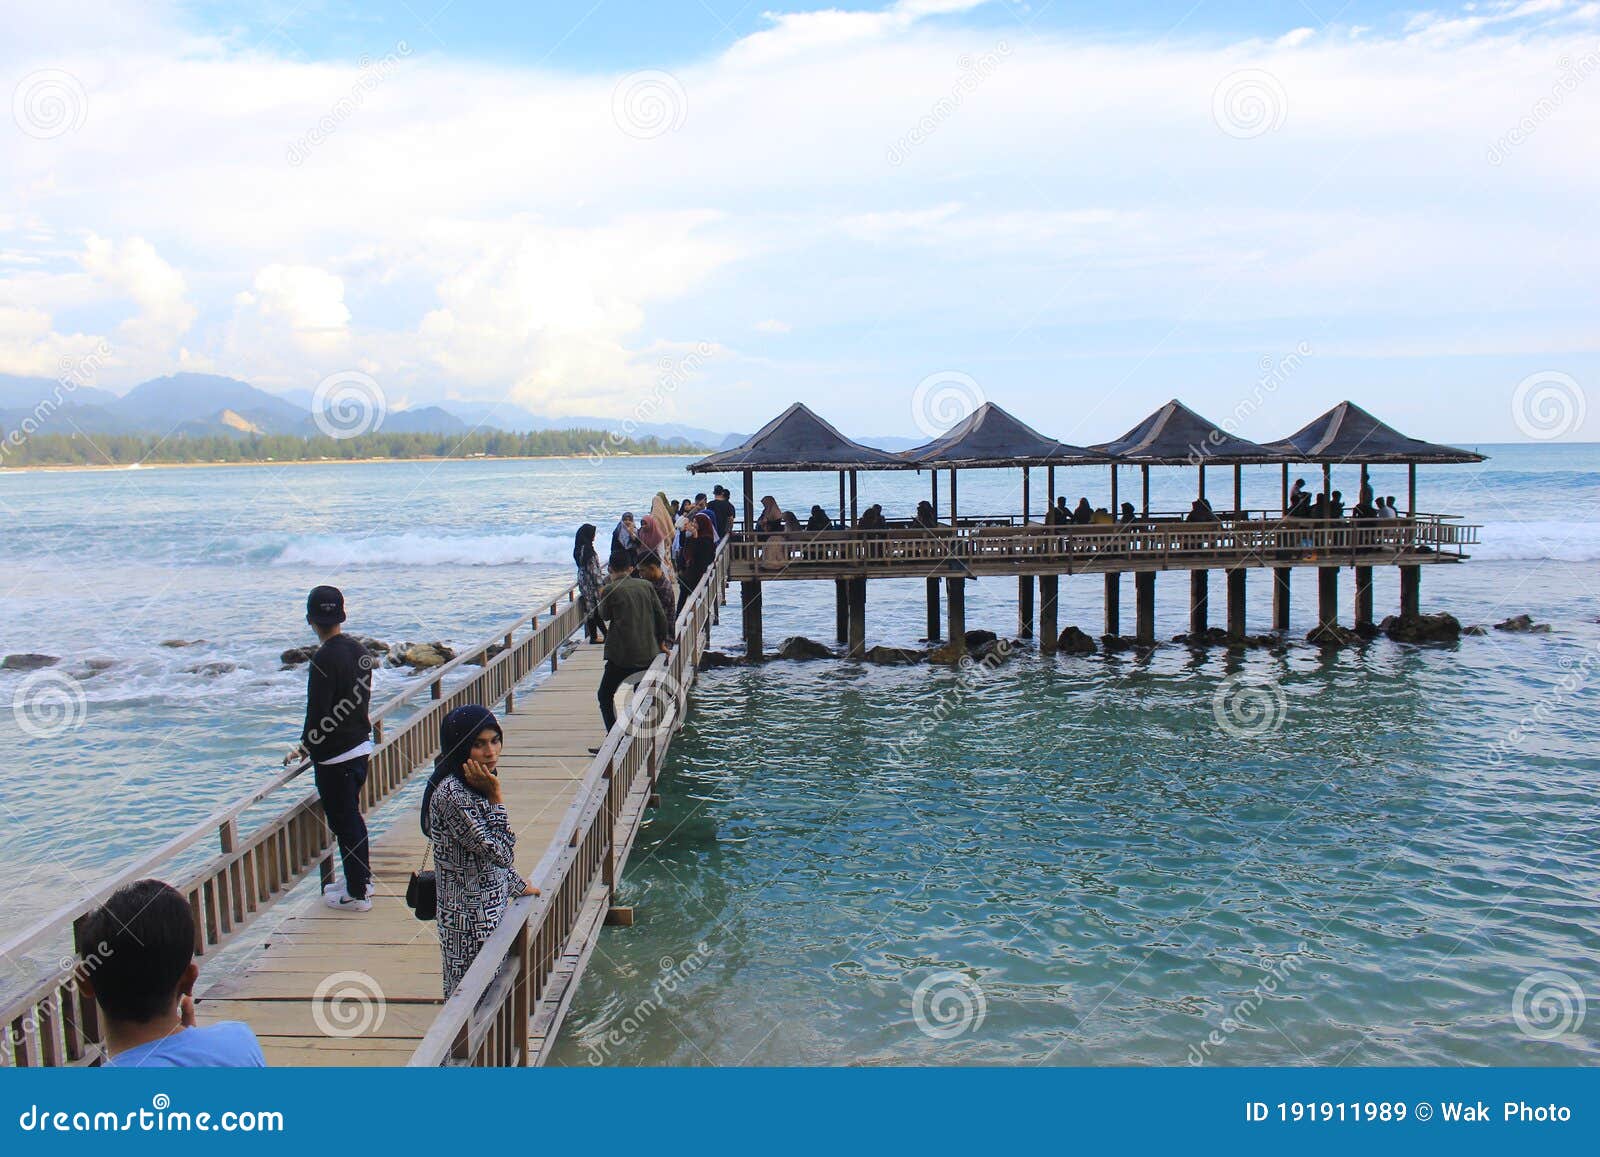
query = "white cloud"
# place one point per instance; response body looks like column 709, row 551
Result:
column 773, row 325
column 137, row 272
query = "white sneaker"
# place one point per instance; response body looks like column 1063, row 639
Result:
column 336, row 897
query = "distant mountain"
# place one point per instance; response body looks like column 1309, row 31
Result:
column 892, row 444
column 161, row 402
column 17, row 393
column 516, row 419
column 422, row 420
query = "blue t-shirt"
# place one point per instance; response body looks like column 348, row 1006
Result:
column 227, row 1045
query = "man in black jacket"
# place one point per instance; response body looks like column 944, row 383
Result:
column 722, row 510
column 338, row 739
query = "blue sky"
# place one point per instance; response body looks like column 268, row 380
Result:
column 702, row 212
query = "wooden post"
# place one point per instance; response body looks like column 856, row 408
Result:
column 1411, row 490
column 1280, row 597
column 1049, row 613
column 1238, row 488
column 1327, row 597
column 841, row 608
column 1049, row 489
column 1283, row 507
column 750, row 596
column 1027, row 497
column 1025, row 606
column 955, row 594
column 1327, row 478
column 1113, row 603
column 952, row 496
column 1199, row 580
column 1116, row 511
column 749, row 499
column 1144, row 607
column 1144, row 477
column 842, row 507
column 933, row 610
column 1202, row 493
column 855, row 515
column 1236, row 624
column 1363, row 597
column 1410, row 592
column 933, row 491
column 857, row 589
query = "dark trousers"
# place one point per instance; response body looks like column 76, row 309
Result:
column 339, row 785
column 609, row 682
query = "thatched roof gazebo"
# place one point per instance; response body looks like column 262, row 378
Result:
column 1177, row 436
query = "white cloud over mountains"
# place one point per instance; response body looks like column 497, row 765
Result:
column 910, row 189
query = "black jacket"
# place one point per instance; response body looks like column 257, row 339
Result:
column 339, row 690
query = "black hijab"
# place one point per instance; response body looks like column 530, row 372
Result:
column 456, row 734
column 583, row 545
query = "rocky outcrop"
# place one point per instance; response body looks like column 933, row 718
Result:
column 893, row 656
column 1333, row 635
column 213, row 669
column 711, row 660
column 800, row 647
column 29, row 661
column 294, row 656
column 1075, row 642
column 976, row 639
column 420, row 656
column 175, row 643
column 1438, row 628
column 994, row 651
column 1217, row 637
column 377, row 648
column 1475, row 630
column 1115, row 644
column 1523, row 624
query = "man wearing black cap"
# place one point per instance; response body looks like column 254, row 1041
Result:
column 722, row 510
column 338, row 739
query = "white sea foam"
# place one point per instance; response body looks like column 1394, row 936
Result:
column 1532, row 541
column 329, row 552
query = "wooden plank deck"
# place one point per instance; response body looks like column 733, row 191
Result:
column 545, row 756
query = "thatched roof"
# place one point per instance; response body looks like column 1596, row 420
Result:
column 1177, row 436
column 798, row 440
column 1347, row 433
column 991, row 437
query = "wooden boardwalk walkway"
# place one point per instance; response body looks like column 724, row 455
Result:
column 291, row 991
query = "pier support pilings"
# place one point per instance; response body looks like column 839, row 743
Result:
column 1327, row 597
column 858, row 617
column 1363, row 597
column 1025, row 607
column 1199, row 580
column 1113, row 603
column 1236, row 623
column 933, row 610
column 955, row 597
column 1144, row 607
column 1049, row 613
column 1410, row 592
column 1280, row 597
column 841, row 610
column 750, row 599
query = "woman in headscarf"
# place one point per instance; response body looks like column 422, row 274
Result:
column 625, row 538
column 771, row 518
column 473, row 844
column 590, row 579
column 699, row 551
column 819, row 520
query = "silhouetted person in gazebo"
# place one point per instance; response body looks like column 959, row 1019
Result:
column 1083, row 513
column 1128, row 513
column 926, row 516
column 1299, row 500
column 1201, row 511
column 872, row 518
column 819, row 520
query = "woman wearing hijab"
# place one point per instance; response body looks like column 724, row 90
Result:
column 819, row 520
column 771, row 518
column 625, row 538
column 699, row 552
column 473, row 844
column 590, row 580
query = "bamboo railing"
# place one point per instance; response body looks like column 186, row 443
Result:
column 53, row 1022
column 1149, row 544
column 509, row 1004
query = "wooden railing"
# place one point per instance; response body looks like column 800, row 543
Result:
column 53, row 1022
column 1156, row 544
column 509, row 1004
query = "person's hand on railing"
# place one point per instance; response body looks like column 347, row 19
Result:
column 481, row 780
column 530, row 890
column 294, row 756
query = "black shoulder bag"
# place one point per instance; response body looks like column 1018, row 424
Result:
column 422, row 893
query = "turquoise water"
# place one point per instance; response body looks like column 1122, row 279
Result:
column 1074, row 848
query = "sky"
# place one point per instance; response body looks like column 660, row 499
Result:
column 701, row 212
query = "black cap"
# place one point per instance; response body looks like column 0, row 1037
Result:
column 325, row 606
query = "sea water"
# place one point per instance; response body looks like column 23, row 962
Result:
column 1379, row 855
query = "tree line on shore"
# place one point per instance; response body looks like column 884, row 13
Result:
column 17, row 449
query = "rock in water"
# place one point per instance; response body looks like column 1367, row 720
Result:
column 424, row 655
column 893, row 656
column 175, row 643
column 994, row 652
column 1523, row 624
column 1438, row 628
column 947, row 655
column 294, row 656
column 1475, row 630
column 1332, row 636
column 28, row 662
column 976, row 639
column 212, row 670
column 710, row 660
column 800, row 647
column 1075, row 642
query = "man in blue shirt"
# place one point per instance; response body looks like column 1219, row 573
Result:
column 138, row 965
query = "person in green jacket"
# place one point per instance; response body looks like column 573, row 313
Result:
column 637, row 630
